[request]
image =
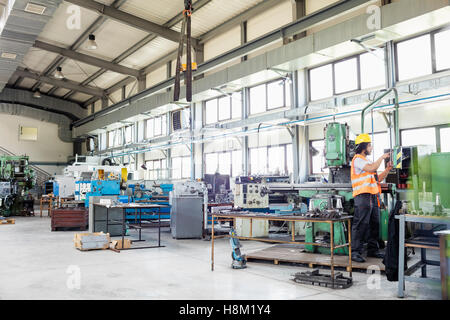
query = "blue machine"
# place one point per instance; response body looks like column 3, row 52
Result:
column 103, row 188
column 51, row 187
column 142, row 195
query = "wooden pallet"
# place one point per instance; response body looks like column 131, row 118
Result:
column 295, row 254
column 7, row 221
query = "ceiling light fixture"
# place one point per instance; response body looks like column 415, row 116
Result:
column 91, row 44
column 58, row 73
column 37, row 94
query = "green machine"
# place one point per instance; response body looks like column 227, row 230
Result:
column 337, row 194
column 16, row 179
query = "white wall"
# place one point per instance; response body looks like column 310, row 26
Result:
column 48, row 147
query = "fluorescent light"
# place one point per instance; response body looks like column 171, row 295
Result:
column 8, row 55
column 37, row 94
column 91, row 44
column 58, row 73
column 34, row 8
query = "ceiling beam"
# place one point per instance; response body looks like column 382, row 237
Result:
column 237, row 20
column 80, row 40
column 86, row 59
column 67, row 84
column 130, row 20
column 169, row 24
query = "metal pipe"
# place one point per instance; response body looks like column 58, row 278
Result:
column 396, row 113
column 249, row 131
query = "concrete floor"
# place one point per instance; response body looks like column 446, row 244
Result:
column 38, row 264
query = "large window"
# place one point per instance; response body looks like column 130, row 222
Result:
column 129, row 134
column 363, row 71
column 271, row 160
column 346, row 75
column 224, row 108
column 115, row 138
column 445, row 139
column 422, row 136
column 111, row 139
column 229, row 162
column 321, row 82
column 442, row 50
column 156, row 127
column 102, row 141
column 414, row 58
column 181, row 167
column 156, row 169
column 318, row 157
column 373, row 73
column 269, row 96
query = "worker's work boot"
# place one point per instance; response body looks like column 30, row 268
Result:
column 375, row 255
column 357, row 258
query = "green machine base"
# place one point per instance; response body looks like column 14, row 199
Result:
column 340, row 237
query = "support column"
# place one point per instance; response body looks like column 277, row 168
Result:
column 142, row 83
column 124, row 92
column 300, row 141
column 244, row 37
column 104, row 102
column 298, row 11
column 245, row 150
column 169, row 73
column 199, row 58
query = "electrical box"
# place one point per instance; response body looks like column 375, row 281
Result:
column 251, row 195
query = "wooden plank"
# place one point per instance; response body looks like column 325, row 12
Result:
column 294, row 254
column 7, row 221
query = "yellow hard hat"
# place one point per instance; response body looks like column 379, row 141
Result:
column 363, row 137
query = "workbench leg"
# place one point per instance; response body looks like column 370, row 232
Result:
column 212, row 243
column 293, row 231
column 423, row 258
column 350, row 246
column 401, row 257
column 332, row 253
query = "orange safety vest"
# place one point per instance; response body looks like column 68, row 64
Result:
column 364, row 182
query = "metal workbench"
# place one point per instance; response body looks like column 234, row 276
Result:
column 221, row 217
column 406, row 275
column 137, row 207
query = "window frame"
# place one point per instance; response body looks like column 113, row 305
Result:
column 230, row 97
column 162, row 118
column 285, row 166
column 181, row 167
column 218, row 160
column 266, row 85
column 333, row 75
column 433, row 49
column 396, row 59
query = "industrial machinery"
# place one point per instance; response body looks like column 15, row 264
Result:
column 189, row 202
column 219, row 190
column 16, row 179
column 251, row 193
column 239, row 261
column 148, row 192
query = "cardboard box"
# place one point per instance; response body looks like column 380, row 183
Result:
column 92, row 241
column 7, row 221
column 117, row 244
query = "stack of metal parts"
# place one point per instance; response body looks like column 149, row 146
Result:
column 315, row 278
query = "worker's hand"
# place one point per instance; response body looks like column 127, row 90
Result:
column 389, row 166
column 386, row 156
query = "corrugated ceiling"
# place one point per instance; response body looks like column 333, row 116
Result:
column 114, row 38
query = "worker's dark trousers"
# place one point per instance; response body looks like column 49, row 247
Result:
column 366, row 223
